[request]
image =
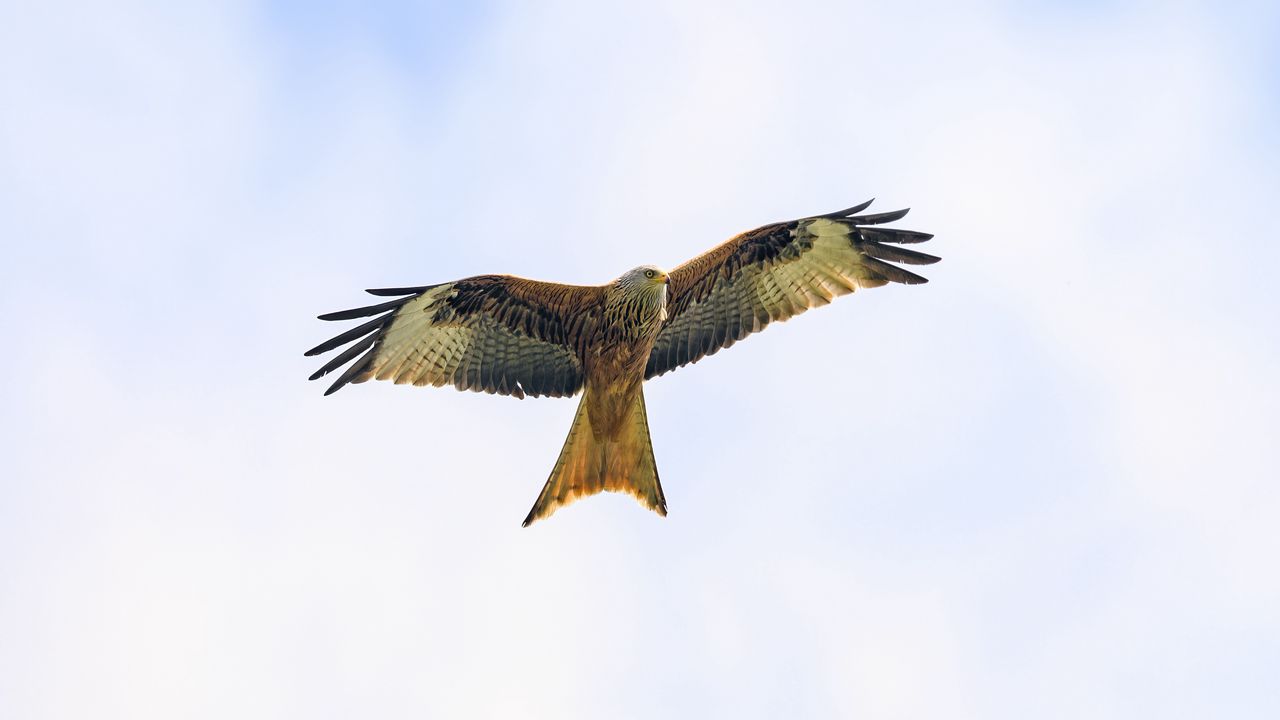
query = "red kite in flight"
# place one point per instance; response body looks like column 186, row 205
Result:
column 512, row 336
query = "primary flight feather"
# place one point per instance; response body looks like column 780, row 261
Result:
column 512, row 336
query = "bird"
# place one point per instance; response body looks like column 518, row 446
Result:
column 527, row 338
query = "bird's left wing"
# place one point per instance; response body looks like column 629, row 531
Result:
column 777, row 271
column 490, row 333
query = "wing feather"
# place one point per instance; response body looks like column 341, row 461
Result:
column 775, row 272
column 491, row 333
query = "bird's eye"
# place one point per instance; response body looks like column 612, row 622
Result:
column 648, row 274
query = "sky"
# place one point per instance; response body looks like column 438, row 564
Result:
column 1042, row 485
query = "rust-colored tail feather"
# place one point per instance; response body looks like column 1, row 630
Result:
column 589, row 464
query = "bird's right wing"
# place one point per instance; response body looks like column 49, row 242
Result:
column 491, row 333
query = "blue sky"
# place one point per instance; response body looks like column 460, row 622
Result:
column 1042, row 485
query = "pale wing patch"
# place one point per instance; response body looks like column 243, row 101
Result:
column 412, row 346
column 829, row 269
column 833, row 255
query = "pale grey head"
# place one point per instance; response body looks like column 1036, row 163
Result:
column 643, row 294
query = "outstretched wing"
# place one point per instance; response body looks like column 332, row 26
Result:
column 777, row 271
column 491, row 333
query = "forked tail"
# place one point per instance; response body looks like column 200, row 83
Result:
column 590, row 462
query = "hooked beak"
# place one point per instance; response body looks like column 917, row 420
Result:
column 666, row 279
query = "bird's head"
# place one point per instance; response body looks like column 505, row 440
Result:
column 645, row 276
column 645, row 289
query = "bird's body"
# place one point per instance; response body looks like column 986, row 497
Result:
column 514, row 336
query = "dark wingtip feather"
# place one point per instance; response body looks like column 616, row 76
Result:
column 362, row 311
column 343, row 357
column 848, row 211
column 878, row 218
column 893, row 273
column 893, row 235
column 897, row 254
column 391, row 292
column 348, row 336
column 356, row 368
